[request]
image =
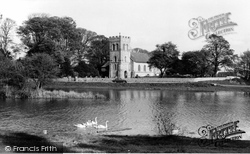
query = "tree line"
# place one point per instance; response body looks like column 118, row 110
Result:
column 56, row 47
column 214, row 55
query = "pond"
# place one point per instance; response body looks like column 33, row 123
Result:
column 145, row 112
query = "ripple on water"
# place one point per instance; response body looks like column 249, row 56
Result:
column 145, row 111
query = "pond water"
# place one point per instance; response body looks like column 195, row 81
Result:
column 145, row 112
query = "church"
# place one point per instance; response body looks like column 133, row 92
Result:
column 125, row 62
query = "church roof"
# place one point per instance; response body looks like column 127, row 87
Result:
column 139, row 57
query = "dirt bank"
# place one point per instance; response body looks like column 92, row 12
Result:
column 89, row 143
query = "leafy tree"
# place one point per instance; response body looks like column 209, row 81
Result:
column 177, row 68
column 164, row 57
column 98, row 53
column 140, row 50
column 195, row 63
column 219, row 52
column 82, row 45
column 66, row 68
column 58, row 37
column 84, row 70
column 12, row 73
column 7, row 29
column 41, row 68
column 51, row 35
column 245, row 64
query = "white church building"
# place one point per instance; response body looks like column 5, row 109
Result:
column 126, row 63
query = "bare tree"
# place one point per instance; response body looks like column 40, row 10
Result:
column 7, row 30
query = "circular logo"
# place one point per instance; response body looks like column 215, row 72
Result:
column 7, row 148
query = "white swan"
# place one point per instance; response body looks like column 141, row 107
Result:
column 94, row 123
column 102, row 126
column 81, row 125
column 175, row 131
column 89, row 123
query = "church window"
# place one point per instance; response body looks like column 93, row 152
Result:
column 144, row 68
column 117, row 47
column 126, row 46
column 139, row 68
column 113, row 47
column 125, row 58
column 115, row 58
column 115, row 66
column 123, row 46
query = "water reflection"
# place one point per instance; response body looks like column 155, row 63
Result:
column 145, row 111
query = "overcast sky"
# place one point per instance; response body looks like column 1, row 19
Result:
column 147, row 22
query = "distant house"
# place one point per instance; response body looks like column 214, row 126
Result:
column 125, row 62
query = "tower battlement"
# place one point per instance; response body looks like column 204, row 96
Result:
column 114, row 38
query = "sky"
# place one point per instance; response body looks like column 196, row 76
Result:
column 147, row 22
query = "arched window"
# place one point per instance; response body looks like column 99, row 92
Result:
column 124, row 47
column 115, row 58
column 125, row 58
column 139, row 68
column 117, row 47
column 115, row 66
column 113, row 47
column 144, row 68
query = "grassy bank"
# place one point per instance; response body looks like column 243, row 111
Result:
column 60, row 94
column 89, row 143
column 194, row 86
column 9, row 92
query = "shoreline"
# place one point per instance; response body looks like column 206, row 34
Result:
column 110, row 143
column 189, row 86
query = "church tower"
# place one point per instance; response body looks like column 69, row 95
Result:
column 119, row 52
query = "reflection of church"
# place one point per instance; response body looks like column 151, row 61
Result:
column 131, row 64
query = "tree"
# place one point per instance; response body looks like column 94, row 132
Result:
column 12, row 73
column 84, row 70
column 98, row 53
column 66, row 68
column 245, row 64
column 140, row 50
column 164, row 57
column 58, row 37
column 83, row 43
column 41, row 68
column 7, row 30
column 52, row 35
column 195, row 63
column 219, row 52
column 177, row 68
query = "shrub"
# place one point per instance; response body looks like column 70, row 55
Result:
column 2, row 95
column 22, row 94
column 84, row 70
column 59, row 94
